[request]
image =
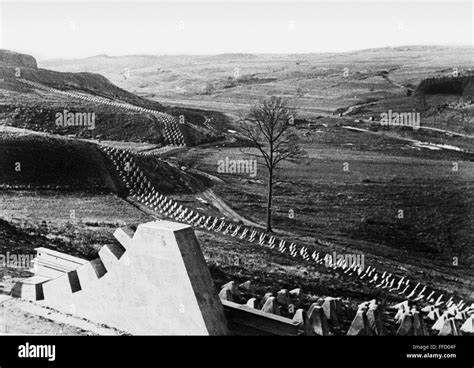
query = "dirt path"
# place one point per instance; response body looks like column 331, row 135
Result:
column 412, row 141
column 448, row 132
column 225, row 209
column 396, row 84
column 350, row 109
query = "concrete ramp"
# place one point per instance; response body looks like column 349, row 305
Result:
column 154, row 281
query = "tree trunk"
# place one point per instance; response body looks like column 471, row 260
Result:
column 269, row 201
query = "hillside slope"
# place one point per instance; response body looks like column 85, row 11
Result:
column 39, row 161
column 44, row 161
column 449, row 85
column 92, row 83
column 22, row 105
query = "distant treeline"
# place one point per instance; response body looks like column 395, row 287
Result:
column 461, row 85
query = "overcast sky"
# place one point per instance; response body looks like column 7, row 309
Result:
column 81, row 29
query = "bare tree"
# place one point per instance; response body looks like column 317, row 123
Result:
column 269, row 127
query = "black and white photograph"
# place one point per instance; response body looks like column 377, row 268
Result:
column 237, row 168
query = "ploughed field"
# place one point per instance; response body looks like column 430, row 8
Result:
column 409, row 215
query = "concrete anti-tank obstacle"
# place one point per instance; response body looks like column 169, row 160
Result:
column 228, row 291
column 432, row 312
column 440, row 322
column 406, row 327
column 360, row 324
column 450, row 327
column 301, row 317
column 387, row 281
column 468, row 326
column 154, row 282
column 271, row 306
column 419, row 325
column 330, row 307
column 264, row 299
column 412, row 324
column 252, row 303
column 375, row 320
column 283, row 298
column 316, row 322
column 296, row 294
column 226, row 294
column 247, row 285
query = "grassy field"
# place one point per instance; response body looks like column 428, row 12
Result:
column 80, row 222
column 359, row 209
column 44, row 220
column 355, row 211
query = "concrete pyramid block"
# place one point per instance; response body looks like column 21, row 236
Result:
column 232, row 286
column 372, row 302
column 433, row 314
column 450, row 328
column 226, row 294
column 403, row 305
column 431, row 311
column 330, row 309
column 403, row 309
column 360, row 325
column 154, row 282
column 320, row 301
column 264, row 299
column 364, row 305
column 419, row 327
column 301, row 317
column 271, row 306
column 367, row 304
column 296, row 294
column 439, row 322
column 316, row 322
column 452, row 310
column 252, row 303
column 461, row 316
column 247, row 285
column 228, row 291
column 406, row 327
column 468, row 326
column 283, row 298
column 374, row 319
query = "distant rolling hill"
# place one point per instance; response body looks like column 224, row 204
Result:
column 317, row 84
column 91, row 83
column 25, row 106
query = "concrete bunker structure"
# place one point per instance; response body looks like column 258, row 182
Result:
column 154, row 281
